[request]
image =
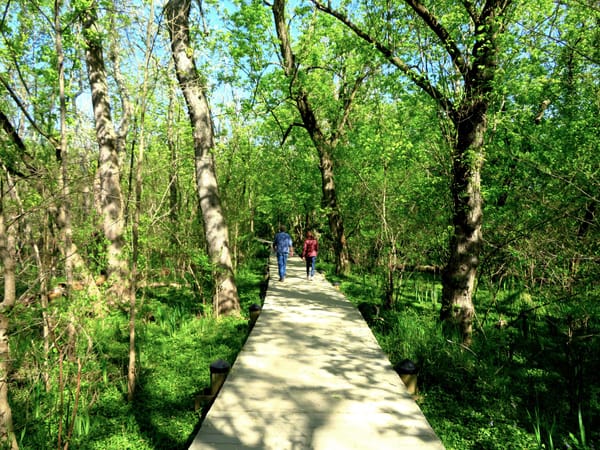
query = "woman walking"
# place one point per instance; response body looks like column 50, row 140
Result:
column 309, row 254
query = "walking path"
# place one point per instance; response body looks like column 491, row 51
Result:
column 311, row 376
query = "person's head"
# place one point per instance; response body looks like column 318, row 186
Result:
column 310, row 235
column 282, row 228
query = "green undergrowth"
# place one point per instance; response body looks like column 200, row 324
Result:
column 84, row 402
column 530, row 380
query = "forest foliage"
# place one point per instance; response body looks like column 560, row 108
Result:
column 65, row 330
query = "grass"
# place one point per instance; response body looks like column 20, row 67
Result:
column 175, row 349
column 532, row 384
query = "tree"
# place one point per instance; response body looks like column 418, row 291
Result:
column 465, row 101
column 108, row 177
column 325, row 132
column 7, row 255
column 226, row 300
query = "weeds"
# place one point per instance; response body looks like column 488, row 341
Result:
column 523, row 384
column 84, row 405
column 529, row 381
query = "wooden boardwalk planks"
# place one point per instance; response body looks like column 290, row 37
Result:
column 312, row 376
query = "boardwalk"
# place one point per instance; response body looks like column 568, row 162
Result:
column 312, row 377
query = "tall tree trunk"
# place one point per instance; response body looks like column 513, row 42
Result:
column 323, row 145
column 7, row 249
column 64, row 210
column 470, row 123
column 173, row 171
column 73, row 260
column 131, row 372
column 108, row 179
column 459, row 274
column 334, row 216
column 226, row 300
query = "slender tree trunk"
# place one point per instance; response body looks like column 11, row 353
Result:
column 131, row 373
column 324, row 146
column 226, row 299
column 73, row 260
column 7, row 246
column 173, row 172
column 64, row 210
column 108, row 188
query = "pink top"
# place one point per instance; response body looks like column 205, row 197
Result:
column 311, row 247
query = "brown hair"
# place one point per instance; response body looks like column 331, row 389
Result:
column 310, row 235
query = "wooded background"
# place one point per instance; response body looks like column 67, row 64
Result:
column 143, row 140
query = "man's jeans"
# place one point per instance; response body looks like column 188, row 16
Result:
column 281, row 263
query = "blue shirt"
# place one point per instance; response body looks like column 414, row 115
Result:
column 282, row 242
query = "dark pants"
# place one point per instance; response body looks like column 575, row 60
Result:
column 310, row 266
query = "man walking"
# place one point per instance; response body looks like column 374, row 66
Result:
column 282, row 244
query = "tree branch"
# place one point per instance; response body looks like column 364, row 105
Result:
column 470, row 10
column 416, row 77
column 10, row 130
column 287, row 55
column 289, row 130
column 348, row 101
column 447, row 41
column 23, row 109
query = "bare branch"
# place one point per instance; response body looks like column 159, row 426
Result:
column 27, row 159
column 348, row 101
column 543, row 106
column 4, row 14
column 284, row 37
column 470, row 10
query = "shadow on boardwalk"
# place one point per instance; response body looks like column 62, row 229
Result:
column 312, row 376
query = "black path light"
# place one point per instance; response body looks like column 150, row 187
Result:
column 408, row 373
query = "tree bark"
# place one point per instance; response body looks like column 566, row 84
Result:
column 459, row 274
column 108, row 177
column 173, row 172
column 7, row 249
column 470, row 123
column 334, row 216
column 226, row 299
column 64, row 208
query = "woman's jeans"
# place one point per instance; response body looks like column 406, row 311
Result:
column 281, row 263
column 310, row 265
